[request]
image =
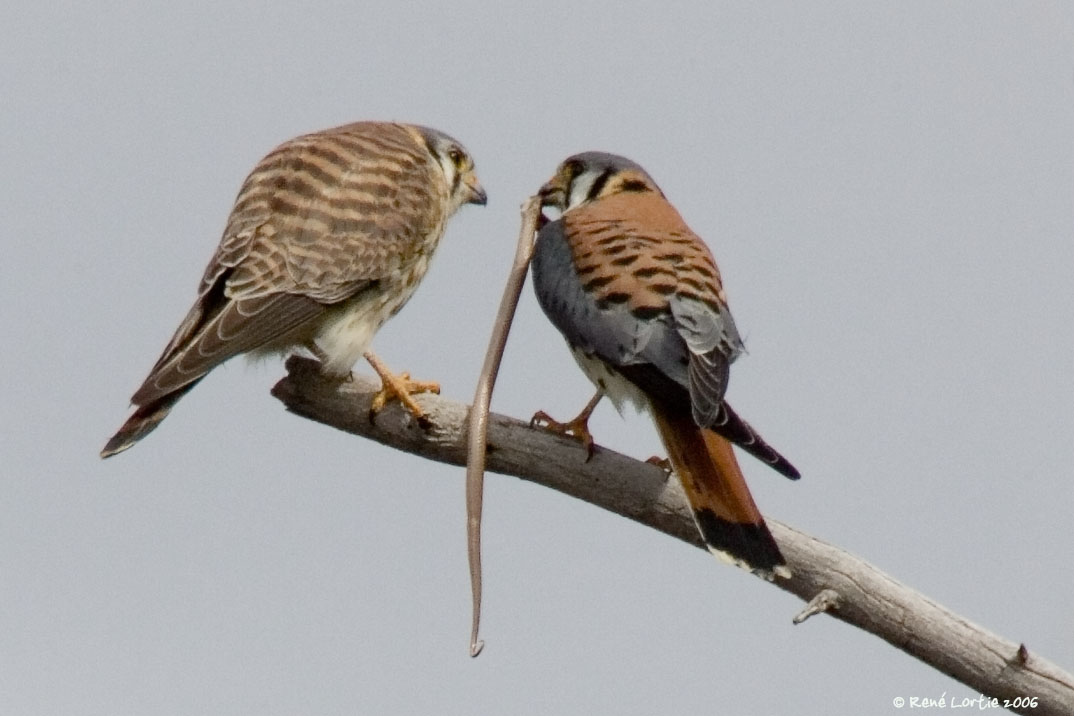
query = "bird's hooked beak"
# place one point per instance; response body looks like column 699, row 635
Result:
column 477, row 193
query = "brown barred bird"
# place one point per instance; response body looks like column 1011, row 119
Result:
column 639, row 299
column 329, row 236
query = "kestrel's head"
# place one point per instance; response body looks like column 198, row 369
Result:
column 458, row 168
column 590, row 176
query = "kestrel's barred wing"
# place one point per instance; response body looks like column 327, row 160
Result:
column 638, row 297
column 328, row 238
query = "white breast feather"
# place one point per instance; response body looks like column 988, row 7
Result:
column 345, row 334
column 618, row 389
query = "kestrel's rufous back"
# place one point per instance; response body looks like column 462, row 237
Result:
column 329, row 236
column 639, row 299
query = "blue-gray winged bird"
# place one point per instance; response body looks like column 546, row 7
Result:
column 329, row 236
column 639, row 299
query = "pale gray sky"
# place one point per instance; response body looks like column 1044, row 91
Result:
column 889, row 189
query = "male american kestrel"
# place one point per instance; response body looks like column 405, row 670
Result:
column 329, row 236
column 639, row 299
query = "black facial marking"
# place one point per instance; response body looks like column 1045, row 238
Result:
column 598, row 185
column 571, row 170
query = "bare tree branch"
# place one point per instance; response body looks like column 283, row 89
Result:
column 828, row 578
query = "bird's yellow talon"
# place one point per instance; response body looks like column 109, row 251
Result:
column 578, row 428
column 398, row 387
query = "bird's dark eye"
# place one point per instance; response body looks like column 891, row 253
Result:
column 572, row 169
column 456, row 156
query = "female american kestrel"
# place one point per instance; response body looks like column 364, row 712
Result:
column 329, row 237
column 639, row 299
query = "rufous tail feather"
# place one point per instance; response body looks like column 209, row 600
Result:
column 726, row 515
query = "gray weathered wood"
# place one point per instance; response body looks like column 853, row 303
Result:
column 864, row 596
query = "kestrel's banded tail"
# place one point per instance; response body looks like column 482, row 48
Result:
column 329, row 237
column 728, row 519
column 639, row 299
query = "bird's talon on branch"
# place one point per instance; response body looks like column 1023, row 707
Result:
column 401, row 387
column 577, row 429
